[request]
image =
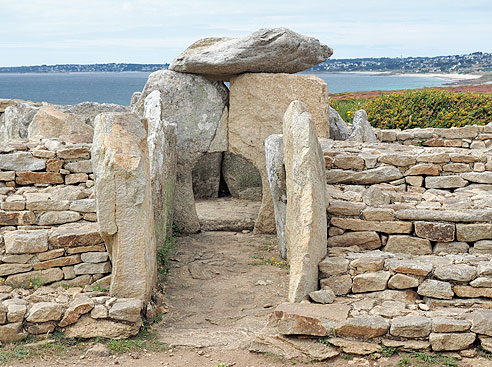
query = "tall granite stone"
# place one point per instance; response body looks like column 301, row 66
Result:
column 121, row 164
column 305, row 226
column 274, row 155
column 277, row 50
column 161, row 140
column 198, row 107
column 257, row 105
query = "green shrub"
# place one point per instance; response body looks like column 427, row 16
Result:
column 347, row 107
column 429, row 108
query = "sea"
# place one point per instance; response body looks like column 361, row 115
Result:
column 109, row 87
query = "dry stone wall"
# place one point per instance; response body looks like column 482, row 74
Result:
column 51, row 253
column 412, row 200
column 469, row 137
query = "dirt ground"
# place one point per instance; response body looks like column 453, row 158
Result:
column 221, row 290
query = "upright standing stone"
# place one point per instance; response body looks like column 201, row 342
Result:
column 198, row 107
column 274, row 155
column 257, row 105
column 305, row 227
column 361, row 128
column 120, row 158
column 162, row 154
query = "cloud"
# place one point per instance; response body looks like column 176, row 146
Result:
column 149, row 30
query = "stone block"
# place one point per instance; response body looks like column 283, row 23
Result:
column 333, row 266
column 309, row 319
column 126, row 309
column 445, row 182
column 365, row 327
column 442, row 232
column 401, row 281
column 378, row 226
column 435, row 289
column 473, row 232
column 451, row 341
column 45, row 311
column 411, row 327
column 408, row 245
column 26, row 242
column 340, row 285
column 366, row 240
column 370, row 282
column 456, row 272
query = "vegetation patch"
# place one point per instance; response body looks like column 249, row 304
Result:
column 429, row 108
column 409, row 109
column 59, row 346
column 426, row 359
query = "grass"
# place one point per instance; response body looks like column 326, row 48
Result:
column 163, row 253
column 426, row 359
column 387, row 351
column 279, row 263
column 63, row 347
column 347, row 107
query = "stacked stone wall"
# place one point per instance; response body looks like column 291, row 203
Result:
column 413, row 200
column 468, row 137
column 52, row 256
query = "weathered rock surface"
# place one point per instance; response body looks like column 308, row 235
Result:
column 89, row 110
column 333, row 266
column 410, row 327
column 366, row 240
column 161, row 140
column 22, row 242
column 368, row 177
column 338, row 127
column 16, row 120
column 197, row 107
column 442, row 232
column 45, row 311
column 408, row 245
column 261, row 100
column 79, row 306
column 121, row 164
column 366, row 327
column 275, row 170
column 305, row 225
column 456, row 272
column 88, row 327
column 52, row 123
column 206, row 176
column 435, row 289
column 361, row 128
column 323, row 296
column 370, row 282
column 277, row 50
column 451, row 341
column 308, row 318
column 242, row 178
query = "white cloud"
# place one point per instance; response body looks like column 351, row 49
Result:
column 155, row 30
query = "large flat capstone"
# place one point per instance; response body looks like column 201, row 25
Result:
column 277, row 50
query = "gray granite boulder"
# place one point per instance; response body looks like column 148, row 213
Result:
column 277, row 50
column 197, row 106
column 338, row 127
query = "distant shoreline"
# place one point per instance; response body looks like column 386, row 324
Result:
column 450, row 76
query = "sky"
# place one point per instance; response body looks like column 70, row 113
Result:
column 35, row 32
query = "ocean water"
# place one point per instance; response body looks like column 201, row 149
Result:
column 73, row 88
